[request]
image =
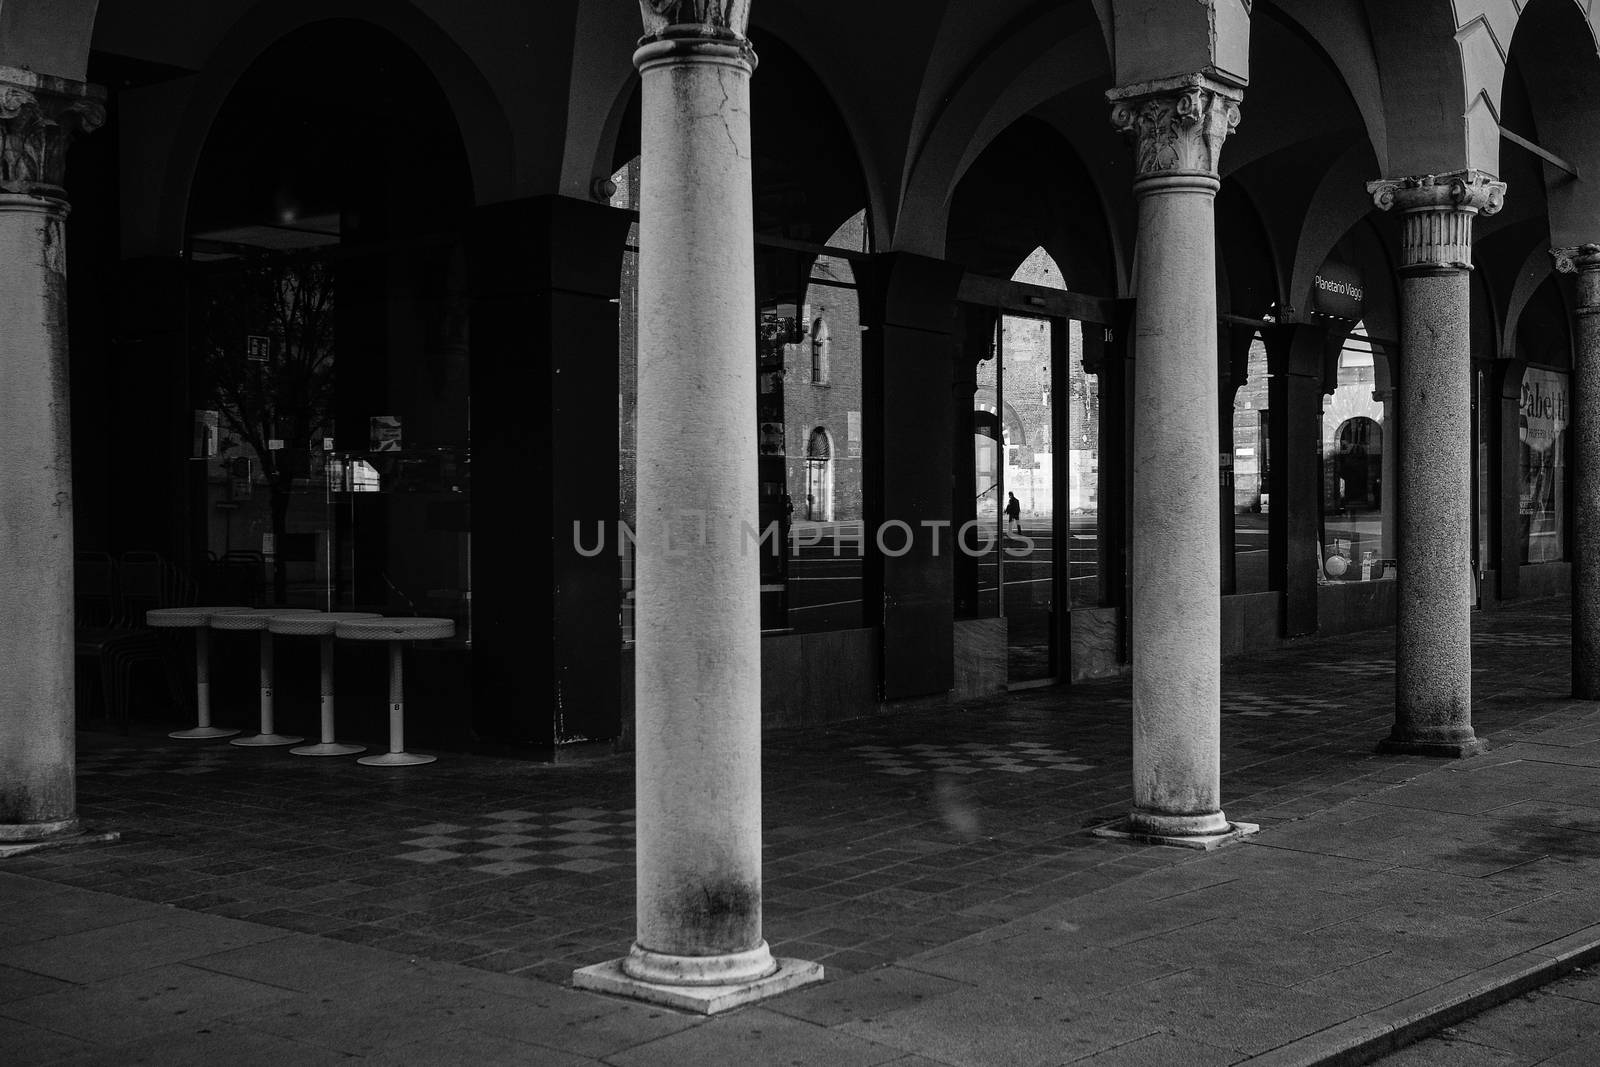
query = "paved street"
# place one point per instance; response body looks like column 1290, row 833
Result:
column 266, row 909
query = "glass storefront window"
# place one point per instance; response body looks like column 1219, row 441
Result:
column 821, row 390
column 1358, row 467
column 809, row 432
column 1252, row 500
column 1542, row 489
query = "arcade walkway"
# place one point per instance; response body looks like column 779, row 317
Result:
column 266, row 909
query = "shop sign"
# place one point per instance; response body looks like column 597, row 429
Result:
column 1336, row 292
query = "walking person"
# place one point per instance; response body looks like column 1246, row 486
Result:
column 1013, row 513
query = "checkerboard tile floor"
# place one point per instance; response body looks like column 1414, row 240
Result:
column 1367, row 668
column 514, row 841
column 1254, row 706
column 1514, row 640
column 128, row 762
column 1017, row 757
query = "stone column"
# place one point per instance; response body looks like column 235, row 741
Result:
column 1433, row 626
column 38, row 794
column 697, row 775
column 1177, row 126
column 1584, row 262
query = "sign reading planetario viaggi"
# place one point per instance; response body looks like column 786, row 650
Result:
column 1336, row 292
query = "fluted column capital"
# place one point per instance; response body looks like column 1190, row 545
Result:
column 1176, row 125
column 1437, row 212
column 39, row 116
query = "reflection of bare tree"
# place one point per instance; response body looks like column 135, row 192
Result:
column 286, row 396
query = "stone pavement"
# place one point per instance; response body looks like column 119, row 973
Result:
column 267, row 909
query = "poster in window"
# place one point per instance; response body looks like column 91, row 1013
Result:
column 1542, row 430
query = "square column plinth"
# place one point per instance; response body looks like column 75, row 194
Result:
column 609, row 977
column 1123, row 830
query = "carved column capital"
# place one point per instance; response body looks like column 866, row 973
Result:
column 695, row 18
column 39, row 116
column 1437, row 212
column 1576, row 259
column 1176, row 125
column 707, row 30
column 1584, row 261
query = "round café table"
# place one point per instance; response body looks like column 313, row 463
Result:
column 320, row 625
column 397, row 631
column 197, row 619
column 255, row 619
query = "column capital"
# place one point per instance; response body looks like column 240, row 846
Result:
column 1437, row 212
column 1177, row 125
column 706, row 19
column 1584, row 262
column 685, row 30
column 1576, row 259
column 39, row 116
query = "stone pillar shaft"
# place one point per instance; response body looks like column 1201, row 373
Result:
column 1433, row 626
column 1584, row 262
column 698, row 657
column 1178, row 127
column 38, row 798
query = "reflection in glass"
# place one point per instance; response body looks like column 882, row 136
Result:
column 1025, row 559
column 1251, row 498
column 1357, row 467
column 1542, row 433
column 808, row 433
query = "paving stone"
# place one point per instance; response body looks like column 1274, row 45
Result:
column 864, row 996
column 756, row 1035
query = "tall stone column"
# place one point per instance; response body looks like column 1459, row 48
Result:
column 1177, row 126
column 1433, row 626
column 1584, row 262
column 697, row 780
column 38, row 789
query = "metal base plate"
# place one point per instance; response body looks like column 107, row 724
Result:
column 395, row 759
column 327, row 748
column 202, row 733
column 266, row 741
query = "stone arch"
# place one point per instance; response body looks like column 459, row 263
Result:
column 1536, row 269
column 1016, row 76
column 47, row 36
column 827, row 58
column 1442, row 63
column 1556, row 51
column 484, row 129
column 603, row 83
column 1339, row 203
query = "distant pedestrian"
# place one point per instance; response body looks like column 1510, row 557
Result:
column 1013, row 513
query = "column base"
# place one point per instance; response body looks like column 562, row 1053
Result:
column 20, row 839
column 1131, row 830
column 1390, row 746
column 609, row 977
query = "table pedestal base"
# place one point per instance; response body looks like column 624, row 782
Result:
column 266, row 740
column 327, row 748
column 202, row 733
column 395, row 759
